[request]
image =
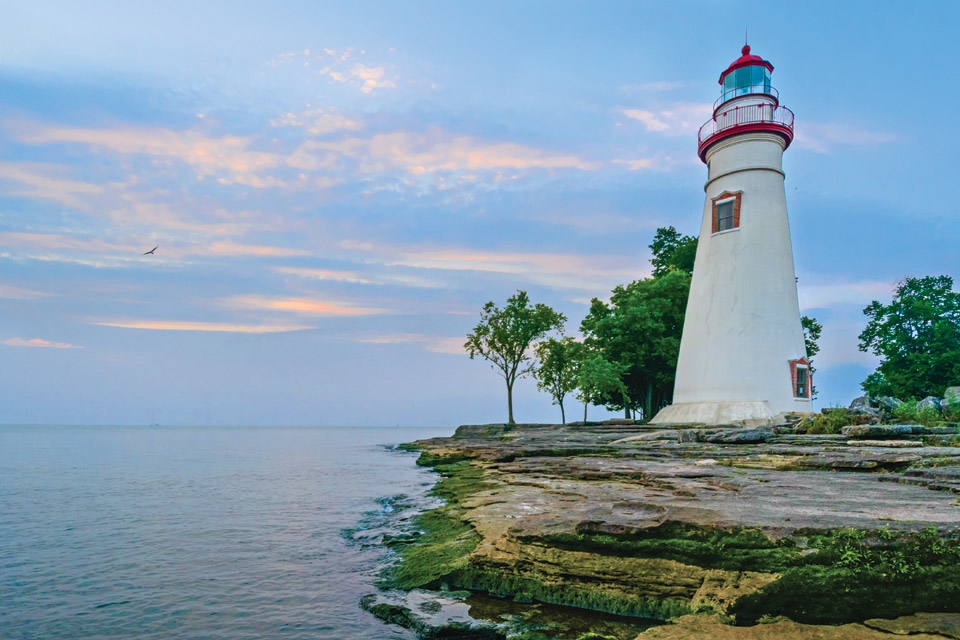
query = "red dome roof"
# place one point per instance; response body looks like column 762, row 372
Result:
column 745, row 60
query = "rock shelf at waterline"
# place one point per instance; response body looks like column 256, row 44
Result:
column 669, row 523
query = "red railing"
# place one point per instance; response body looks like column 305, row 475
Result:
column 748, row 117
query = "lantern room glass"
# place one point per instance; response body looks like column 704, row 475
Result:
column 746, row 80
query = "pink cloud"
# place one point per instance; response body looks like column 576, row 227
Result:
column 37, row 342
column 18, row 293
column 177, row 325
column 431, row 343
column 420, row 153
column 40, row 184
column 229, row 248
column 308, row 306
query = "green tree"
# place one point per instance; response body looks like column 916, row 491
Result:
column 671, row 250
column 640, row 330
column 599, row 380
column 504, row 336
column 557, row 371
column 811, row 333
column 917, row 337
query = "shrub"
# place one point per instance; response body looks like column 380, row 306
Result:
column 908, row 412
column 832, row 420
column 952, row 412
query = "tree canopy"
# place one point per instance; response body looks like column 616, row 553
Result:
column 504, row 336
column 557, row 372
column 599, row 380
column 640, row 330
column 811, row 333
column 917, row 337
column 671, row 250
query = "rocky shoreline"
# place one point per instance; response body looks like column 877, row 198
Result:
column 718, row 532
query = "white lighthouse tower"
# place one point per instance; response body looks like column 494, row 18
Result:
column 742, row 355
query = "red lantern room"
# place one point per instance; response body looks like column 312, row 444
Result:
column 748, row 102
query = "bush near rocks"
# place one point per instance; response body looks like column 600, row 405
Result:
column 910, row 411
column 930, row 411
column 830, row 421
column 950, row 405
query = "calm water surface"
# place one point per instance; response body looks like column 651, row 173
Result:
column 123, row 532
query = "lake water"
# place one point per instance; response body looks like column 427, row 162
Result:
column 153, row 532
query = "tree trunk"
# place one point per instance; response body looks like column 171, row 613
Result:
column 584, row 411
column 648, row 403
column 563, row 416
column 510, row 403
column 626, row 411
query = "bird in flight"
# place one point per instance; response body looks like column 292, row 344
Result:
column 150, row 253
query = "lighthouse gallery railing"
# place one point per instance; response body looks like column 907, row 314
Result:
column 746, row 115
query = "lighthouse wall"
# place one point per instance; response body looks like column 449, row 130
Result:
column 742, row 325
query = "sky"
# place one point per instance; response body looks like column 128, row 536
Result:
column 337, row 188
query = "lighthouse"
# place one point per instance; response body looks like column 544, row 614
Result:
column 742, row 354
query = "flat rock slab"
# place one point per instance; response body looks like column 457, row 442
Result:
column 889, row 444
column 560, row 479
column 924, row 626
column 737, row 436
column 946, row 625
column 881, row 430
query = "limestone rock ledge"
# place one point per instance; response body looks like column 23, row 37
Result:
column 644, row 521
column 919, row 627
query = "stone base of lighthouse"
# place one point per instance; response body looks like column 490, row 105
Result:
column 746, row 413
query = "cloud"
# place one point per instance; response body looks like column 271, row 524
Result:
column 658, row 162
column 37, row 342
column 333, row 64
column 229, row 248
column 53, row 247
column 317, row 121
column 680, row 119
column 307, row 306
column 420, row 153
column 432, row 343
column 175, row 325
column 67, row 192
column 370, row 77
column 11, row 292
column 142, row 210
column 357, row 278
column 230, row 159
column 324, row 274
column 823, row 137
column 821, row 296
column 562, row 270
column 206, row 153
column 55, row 241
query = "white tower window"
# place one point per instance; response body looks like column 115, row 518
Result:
column 725, row 215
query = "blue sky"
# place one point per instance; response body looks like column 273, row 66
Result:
column 336, row 189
